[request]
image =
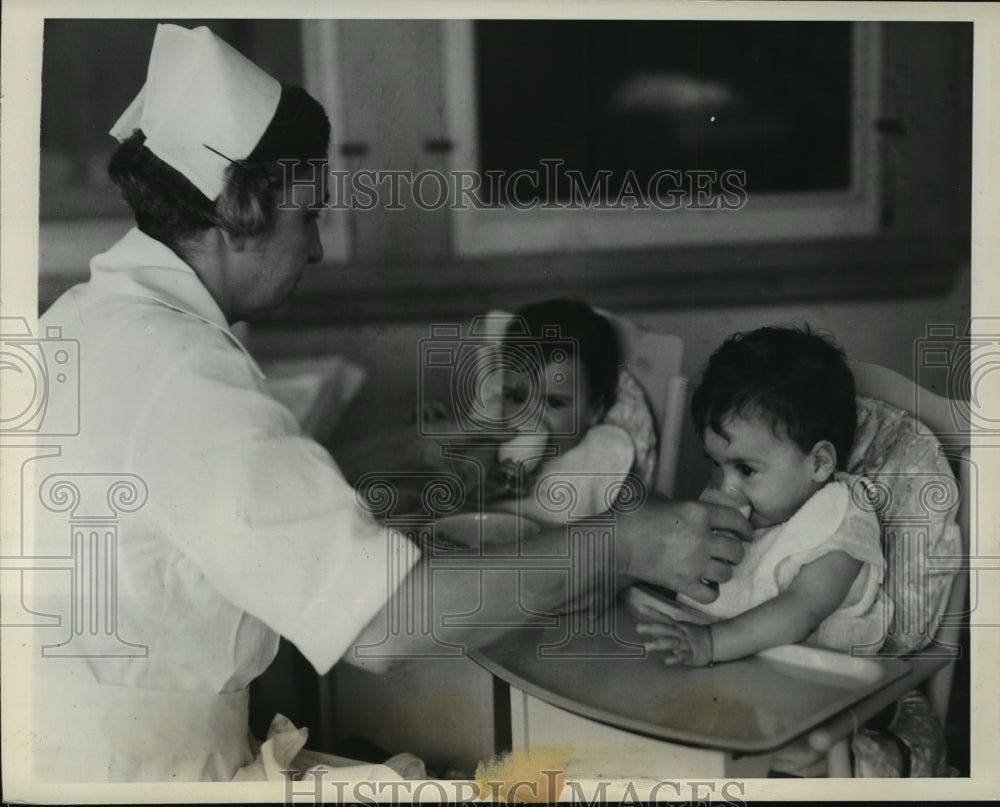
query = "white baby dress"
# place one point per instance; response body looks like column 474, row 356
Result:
column 835, row 518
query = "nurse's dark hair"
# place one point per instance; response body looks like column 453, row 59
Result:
column 545, row 328
column 168, row 206
column 795, row 379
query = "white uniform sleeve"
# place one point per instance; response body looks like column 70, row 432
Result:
column 263, row 512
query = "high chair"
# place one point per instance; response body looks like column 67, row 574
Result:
column 926, row 575
column 694, row 736
column 654, row 359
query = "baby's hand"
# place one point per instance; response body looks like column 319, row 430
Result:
column 499, row 483
column 526, row 450
column 684, row 642
column 508, row 480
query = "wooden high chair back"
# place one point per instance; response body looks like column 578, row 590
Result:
column 654, row 359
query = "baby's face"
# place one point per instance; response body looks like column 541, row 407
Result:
column 756, row 467
column 558, row 402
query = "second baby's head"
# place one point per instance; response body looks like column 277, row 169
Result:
column 561, row 363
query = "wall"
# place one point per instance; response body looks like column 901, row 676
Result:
column 882, row 331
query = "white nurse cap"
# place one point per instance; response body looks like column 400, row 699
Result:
column 203, row 105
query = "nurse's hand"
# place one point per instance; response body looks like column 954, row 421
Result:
column 688, row 547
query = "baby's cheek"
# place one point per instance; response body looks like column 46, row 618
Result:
column 762, row 516
column 768, row 514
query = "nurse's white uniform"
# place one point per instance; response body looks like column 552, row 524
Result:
column 249, row 531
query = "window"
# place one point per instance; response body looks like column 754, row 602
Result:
column 681, row 132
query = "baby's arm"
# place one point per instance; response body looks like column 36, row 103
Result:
column 816, row 592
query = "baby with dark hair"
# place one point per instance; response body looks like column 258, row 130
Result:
column 581, row 420
column 560, row 361
column 776, row 414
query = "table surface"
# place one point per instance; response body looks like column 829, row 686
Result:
column 599, row 670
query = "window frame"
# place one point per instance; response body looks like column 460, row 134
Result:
column 323, row 76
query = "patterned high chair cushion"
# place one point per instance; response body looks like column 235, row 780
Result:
column 916, row 498
column 631, row 412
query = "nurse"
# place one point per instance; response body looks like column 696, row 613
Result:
column 239, row 527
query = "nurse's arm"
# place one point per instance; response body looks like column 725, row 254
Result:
column 678, row 545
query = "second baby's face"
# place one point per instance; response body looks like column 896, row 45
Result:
column 756, row 467
column 557, row 401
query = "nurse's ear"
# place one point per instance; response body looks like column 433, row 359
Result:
column 239, row 242
column 249, row 199
column 235, row 242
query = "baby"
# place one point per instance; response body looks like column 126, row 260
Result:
column 579, row 418
column 776, row 414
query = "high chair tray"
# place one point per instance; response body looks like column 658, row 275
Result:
column 598, row 669
column 809, row 663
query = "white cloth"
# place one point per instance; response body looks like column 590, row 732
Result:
column 203, row 104
column 284, row 750
column 829, row 521
column 249, row 531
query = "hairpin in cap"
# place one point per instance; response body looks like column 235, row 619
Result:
column 202, row 100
